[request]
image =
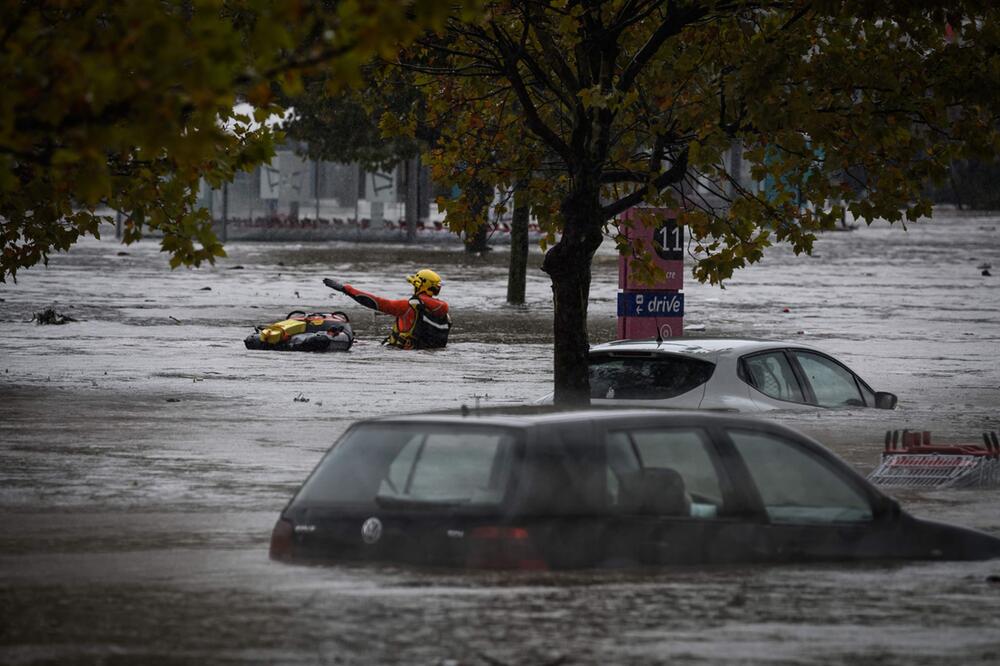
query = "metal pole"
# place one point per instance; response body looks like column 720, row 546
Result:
column 412, row 198
column 225, row 212
column 360, row 182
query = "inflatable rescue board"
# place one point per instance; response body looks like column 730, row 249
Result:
column 313, row 332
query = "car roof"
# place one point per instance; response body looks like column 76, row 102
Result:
column 529, row 416
column 698, row 347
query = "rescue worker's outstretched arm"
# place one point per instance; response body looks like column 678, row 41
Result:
column 389, row 306
column 333, row 284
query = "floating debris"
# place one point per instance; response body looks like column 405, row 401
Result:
column 50, row 316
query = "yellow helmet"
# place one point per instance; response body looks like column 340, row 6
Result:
column 425, row 281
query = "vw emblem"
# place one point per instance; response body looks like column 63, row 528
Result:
column 371, row 530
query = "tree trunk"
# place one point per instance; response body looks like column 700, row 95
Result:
column 477, row 241
column 568, row 264
column 517, row 274
column 954, row 185
column 480, row 197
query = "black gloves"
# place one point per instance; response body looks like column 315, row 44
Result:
column 333, row 284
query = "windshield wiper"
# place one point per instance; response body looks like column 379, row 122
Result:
column 395, row 502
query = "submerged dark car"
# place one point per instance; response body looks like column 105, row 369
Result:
column 565, row 489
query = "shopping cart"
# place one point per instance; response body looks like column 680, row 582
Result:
column 911, row 461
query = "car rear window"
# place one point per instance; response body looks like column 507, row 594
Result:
column 413, row 466
column 645, row 376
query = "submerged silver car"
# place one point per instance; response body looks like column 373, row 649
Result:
column 732, row 375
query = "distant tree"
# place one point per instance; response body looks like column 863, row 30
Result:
column 342, row 124
column 346, row 126
column 971, row 184
column 122, row 105
column 599, row 106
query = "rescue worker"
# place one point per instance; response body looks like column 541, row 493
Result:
column 422, row 321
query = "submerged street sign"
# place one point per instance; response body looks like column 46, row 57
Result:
column 650, row 304
column 651, row 310
column 656, row 230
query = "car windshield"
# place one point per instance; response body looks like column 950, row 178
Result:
column 413, row 466
column 645, row 376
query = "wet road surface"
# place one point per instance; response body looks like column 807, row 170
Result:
column 145, row 455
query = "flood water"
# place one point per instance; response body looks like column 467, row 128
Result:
column 146, row 454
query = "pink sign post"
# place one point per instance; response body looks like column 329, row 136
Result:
column 644, row 309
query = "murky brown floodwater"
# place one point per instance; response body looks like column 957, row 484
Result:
column 145, row 455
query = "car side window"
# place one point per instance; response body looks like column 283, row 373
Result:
column 772, row 375
column 443, row 466
column 663, row 471
column 795, row 485
column 833, row 384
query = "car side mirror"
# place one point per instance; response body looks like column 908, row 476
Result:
column 885, row 400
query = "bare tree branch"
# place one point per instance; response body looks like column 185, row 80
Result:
column 533, row 119
column 677, row 20
column 672, row 175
